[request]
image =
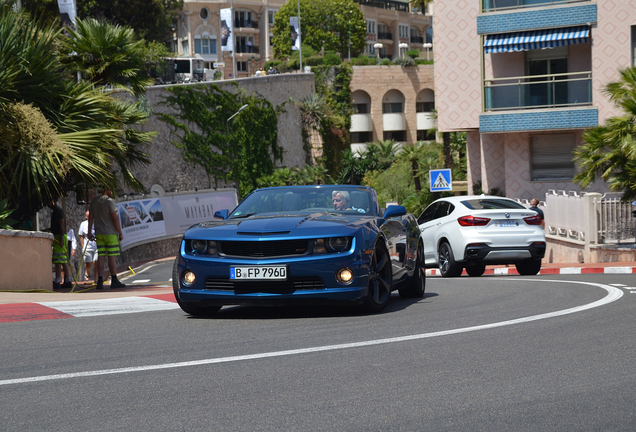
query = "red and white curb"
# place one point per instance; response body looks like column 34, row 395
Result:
column 550, row 271
column 14, row 312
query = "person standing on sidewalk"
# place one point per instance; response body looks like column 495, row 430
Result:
column 534, row 205
column 60, row 240
column 102, row 214
column 89, row 249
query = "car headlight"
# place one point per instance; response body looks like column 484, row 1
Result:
column 337, row 244
column 203, row 247
column 331, row 245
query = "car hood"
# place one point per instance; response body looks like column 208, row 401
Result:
column 304, row 225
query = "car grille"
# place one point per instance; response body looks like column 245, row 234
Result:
column 244, row 287
column 261, row 249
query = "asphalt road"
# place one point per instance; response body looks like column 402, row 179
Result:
column 498, row 353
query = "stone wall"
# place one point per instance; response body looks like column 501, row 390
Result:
column 167, row 167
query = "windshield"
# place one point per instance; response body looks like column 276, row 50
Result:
column 491, row 204
column 293, row 200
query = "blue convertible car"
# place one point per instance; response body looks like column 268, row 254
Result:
column 307, row 244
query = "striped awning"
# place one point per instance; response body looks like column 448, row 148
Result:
column 538, row 39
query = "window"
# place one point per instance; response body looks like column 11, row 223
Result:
column 404, row 32
column 360, row 108
column 241, row 66
column 270, row 16
column 243, row 18
column 399, row 136
column 204, row 14
column 551, row 157
column 204, row 45
column 361, row 137
column 425, row 135
column 392, row 108
column 547, row 62
column 633, row 46
column 371, row 26
column 424, row 106
column 185, row 48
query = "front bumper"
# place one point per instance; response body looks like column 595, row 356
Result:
column 308, row 281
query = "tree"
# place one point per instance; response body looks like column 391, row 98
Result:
column 329, row 25
column 151, row 19
column 420, row 5
column 240, row 152
column 609, row 151
column 57, row 133
column 107, row 54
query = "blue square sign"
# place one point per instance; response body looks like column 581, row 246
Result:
column 441, row 180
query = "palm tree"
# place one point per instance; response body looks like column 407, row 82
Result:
column 56, row 132
column 107, row 54
column 420, row 4
column 313, row 110
column 413, row 153
column 609, row 151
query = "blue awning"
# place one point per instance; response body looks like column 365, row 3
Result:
column 538, row 39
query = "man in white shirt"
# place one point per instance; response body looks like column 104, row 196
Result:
column 89, row 247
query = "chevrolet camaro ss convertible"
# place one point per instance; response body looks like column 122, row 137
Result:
column 301, row 244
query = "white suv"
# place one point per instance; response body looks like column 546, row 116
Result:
column 472, row 231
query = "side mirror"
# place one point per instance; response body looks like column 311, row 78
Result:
column 221, row 214
column 394, row 211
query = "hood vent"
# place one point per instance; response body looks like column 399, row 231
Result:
column 262, row 234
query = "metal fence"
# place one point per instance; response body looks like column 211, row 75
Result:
column 603, row 219
column 616, row 221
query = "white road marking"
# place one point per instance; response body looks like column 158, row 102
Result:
column 618, row 285
column 114, row 306
column 613, row 294
column 141, row 281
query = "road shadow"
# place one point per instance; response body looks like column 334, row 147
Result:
column 301, row 311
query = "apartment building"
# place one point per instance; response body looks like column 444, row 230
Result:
column 525, row 79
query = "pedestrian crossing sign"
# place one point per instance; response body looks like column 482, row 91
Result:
column 441, row 180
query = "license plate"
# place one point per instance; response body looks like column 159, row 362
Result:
column 506, row 223
column 259, row 273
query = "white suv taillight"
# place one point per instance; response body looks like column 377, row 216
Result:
column 533, row 220
column 472, row 221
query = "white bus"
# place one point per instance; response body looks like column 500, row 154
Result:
column 188, row 69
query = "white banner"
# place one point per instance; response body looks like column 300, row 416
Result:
column 227, row 41
column 293, row 29
column 152, row 219
column 67, row 11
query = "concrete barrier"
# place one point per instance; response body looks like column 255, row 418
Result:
column 25, row 260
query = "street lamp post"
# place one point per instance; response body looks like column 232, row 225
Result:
column 403, row 47
column 378, row 46
column 428, row 46
column 234, row 115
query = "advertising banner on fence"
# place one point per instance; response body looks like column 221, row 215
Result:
column 152, row 219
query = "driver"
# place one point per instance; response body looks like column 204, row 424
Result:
column 340, row 200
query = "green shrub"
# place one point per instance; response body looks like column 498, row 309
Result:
column 423, row 61
column 332, row 59
column 413, row 53
column 386, row 62
column 408, row 61
column 315, row 60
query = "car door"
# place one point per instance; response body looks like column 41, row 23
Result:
column 427, row 230
column 432, row 229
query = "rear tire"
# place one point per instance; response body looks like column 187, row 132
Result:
column 196, row 311
column 447, row 265
column 417, row 285
column 529, row 267
column 380, row 280
column 476, row 269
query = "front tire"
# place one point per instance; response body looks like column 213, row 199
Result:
column 447, row 265
column 380, row 280
column 529, row 267
column 417, row 285
column 196, row 311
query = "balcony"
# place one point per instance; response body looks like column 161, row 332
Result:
column 417, row 39
column 425, row 121
column 499, row 5
column 385, row 36
column 361, row 123
column 247, row 49
column 245, row 24
column 386, row 4
column 393, row 122
column 571, row 89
